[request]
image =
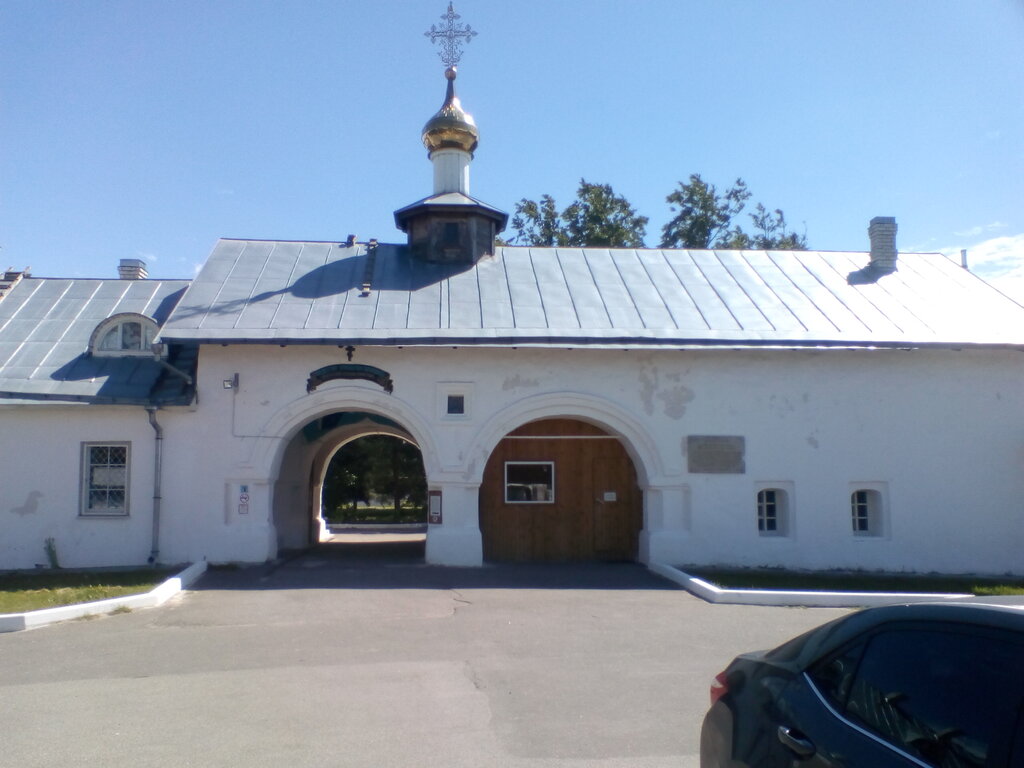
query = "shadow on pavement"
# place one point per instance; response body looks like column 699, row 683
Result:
column 400, row 565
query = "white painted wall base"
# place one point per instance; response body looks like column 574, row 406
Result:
column 450, row 545
column 664, row 546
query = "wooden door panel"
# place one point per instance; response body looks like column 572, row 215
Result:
column 574, row 526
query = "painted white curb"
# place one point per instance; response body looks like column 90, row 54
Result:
column 780, row 597
column 15, row 622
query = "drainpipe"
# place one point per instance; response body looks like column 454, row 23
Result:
column 154, row 553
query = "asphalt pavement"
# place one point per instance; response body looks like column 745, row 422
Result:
column 361, row 655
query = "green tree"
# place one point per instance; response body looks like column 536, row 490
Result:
column 702, row 218
column 596, row 218
column 376, row 465
column 706, row 219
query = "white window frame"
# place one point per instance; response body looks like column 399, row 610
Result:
column 551, row 495
column 87, row 487
column 148, row 330
column 872, row 510
column 783, row 503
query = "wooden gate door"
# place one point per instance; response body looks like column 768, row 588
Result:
column 595, row 512
column 616, row 509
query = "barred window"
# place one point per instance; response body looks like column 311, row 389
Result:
column 105, row 479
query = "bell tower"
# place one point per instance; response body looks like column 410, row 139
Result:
column 450, row 226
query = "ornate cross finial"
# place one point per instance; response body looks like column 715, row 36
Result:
column 451, row 37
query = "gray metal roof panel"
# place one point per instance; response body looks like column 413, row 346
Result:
column 310, row 293
column 45, row 328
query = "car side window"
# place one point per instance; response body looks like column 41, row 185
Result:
column 945, row 697
column 834, row 676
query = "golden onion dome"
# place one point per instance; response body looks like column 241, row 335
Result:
column 451, row 127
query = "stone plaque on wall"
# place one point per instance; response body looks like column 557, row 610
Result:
column 716, row 454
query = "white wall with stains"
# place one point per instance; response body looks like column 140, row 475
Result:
column 939, row 434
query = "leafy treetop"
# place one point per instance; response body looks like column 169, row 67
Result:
column 703, row 218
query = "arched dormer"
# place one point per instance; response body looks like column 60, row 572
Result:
column 126, row 334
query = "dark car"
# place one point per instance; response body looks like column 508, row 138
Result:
column 905, row 685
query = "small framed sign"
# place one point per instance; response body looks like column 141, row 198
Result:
column 434, row 507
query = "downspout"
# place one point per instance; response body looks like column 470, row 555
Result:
column 154, row 553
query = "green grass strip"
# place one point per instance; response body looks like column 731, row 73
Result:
column 20, row 592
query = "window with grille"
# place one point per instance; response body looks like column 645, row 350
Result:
column 105, row 479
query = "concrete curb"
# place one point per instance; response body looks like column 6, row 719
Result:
column 806, row 599
column 15, row 622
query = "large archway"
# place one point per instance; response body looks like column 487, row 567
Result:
column 560, row 489
column 299, row 517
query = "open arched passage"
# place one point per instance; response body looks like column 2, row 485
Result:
column 375, row 479
column 560, row 489
column 305, row 482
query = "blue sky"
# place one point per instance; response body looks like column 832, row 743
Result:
column 145, row 129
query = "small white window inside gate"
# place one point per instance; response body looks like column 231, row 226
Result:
column 529, row 482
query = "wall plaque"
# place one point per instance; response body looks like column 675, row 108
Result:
column 716, row 454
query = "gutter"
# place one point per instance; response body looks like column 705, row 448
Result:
column 154, row 553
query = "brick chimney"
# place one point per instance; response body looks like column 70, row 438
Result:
column 882, row 232
column 132, row 269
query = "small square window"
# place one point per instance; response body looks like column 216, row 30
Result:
column 529, row 482
column 454, row 401
column 451, row 233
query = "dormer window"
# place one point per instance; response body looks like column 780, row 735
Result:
column 125, row 334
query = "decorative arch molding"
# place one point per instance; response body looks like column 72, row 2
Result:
column 595, row 410
column 284, row 424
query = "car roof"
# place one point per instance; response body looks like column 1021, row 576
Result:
column 822, row 640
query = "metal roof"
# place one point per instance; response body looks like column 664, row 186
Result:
column 254, row 291
column 45, row 325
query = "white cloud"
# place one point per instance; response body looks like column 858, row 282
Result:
column 998, row 260
column 975, row 231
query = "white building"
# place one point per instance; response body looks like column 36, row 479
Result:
column 808, row 409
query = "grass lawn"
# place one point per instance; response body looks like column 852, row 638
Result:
column 845, row 581
column 31, row 591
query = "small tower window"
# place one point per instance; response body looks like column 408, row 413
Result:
column 450, row 234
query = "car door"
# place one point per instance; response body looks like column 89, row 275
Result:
column 913, row 695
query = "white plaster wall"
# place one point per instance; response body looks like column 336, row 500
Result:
column 941, row 431
column 40, row 476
